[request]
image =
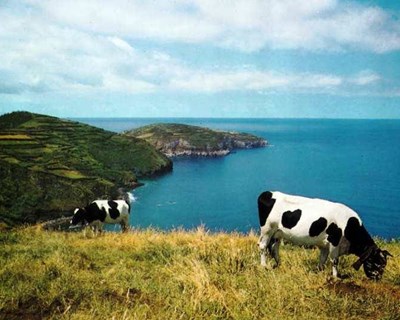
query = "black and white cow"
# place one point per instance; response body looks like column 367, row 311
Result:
column 333, row 227
column 99, row 212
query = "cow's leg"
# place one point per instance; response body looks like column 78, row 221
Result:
column 324, row 253
column 267, row 235
column 124, row 225
column 101, row 228
column 263, row 244
column 335, row 263
column 97, row 227
column 334, row 255
column 273, row 248
column 94, row 229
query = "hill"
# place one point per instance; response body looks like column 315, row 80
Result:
column 179, row 139
column 48, row 166
column 180, row 275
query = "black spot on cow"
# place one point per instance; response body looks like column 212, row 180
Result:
column 93, row 212
column 265, row 205
column 358, row 236
column 334, row 234
column 317, row 227
column 113, row 211
column 291, row 218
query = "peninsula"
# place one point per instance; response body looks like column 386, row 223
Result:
column 186, row 140
column 49, row 166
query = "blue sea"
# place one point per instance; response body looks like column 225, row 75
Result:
column 355, row 162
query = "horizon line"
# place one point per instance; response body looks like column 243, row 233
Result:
column 230, row 118
column 207, row 117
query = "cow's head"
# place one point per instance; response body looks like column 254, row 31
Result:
column 374, row 261
column 79, row 216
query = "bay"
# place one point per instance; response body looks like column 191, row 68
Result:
column 356, row 162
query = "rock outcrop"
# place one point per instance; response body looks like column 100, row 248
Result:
column 176, row 140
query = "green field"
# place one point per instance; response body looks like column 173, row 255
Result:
column 151, row 274
column 52, row 165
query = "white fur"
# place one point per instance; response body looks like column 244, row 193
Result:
column 123, row 218
column 311, row 210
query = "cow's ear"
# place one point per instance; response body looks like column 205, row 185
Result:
column 363, row 257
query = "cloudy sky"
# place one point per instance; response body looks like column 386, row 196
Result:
column 201, row 58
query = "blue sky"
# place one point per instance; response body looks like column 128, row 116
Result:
column 201, row 58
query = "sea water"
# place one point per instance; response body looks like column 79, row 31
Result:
column 355, row 162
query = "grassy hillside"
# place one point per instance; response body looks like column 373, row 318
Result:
column 179, row 275
column 176, row 139
column 49, row 166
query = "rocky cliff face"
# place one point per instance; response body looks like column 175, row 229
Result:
column 183, row 140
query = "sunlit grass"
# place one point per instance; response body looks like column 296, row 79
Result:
column 14, row 137
column 70, row 174
column 149, row 274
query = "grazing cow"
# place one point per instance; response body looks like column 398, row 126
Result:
column 100, row 212
column 334, row 228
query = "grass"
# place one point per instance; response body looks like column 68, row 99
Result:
column 71, row 174
column 149, row 274
column 14, row 137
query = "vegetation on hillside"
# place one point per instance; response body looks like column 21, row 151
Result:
column 180, row 275
column 180, row 139
column 48, row 166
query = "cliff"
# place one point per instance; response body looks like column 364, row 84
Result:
column 49, row 166
column 185, row 140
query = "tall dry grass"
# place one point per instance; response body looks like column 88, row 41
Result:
column 149, row 274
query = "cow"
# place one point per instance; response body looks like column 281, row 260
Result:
column 332, row 227
column 99, row 212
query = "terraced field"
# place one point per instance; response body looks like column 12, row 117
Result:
column 49, row 165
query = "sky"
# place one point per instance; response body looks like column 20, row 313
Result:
column 201, row 58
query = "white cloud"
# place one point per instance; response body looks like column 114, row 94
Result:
column 215, row 81
column 319, row 81
column 365, row 77
column 62, row 59
column 123, row 45
column 140, row 19
column 256, row 80
column 62, row 55
column 247, row 25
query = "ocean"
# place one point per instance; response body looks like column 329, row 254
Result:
column 355, row 162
